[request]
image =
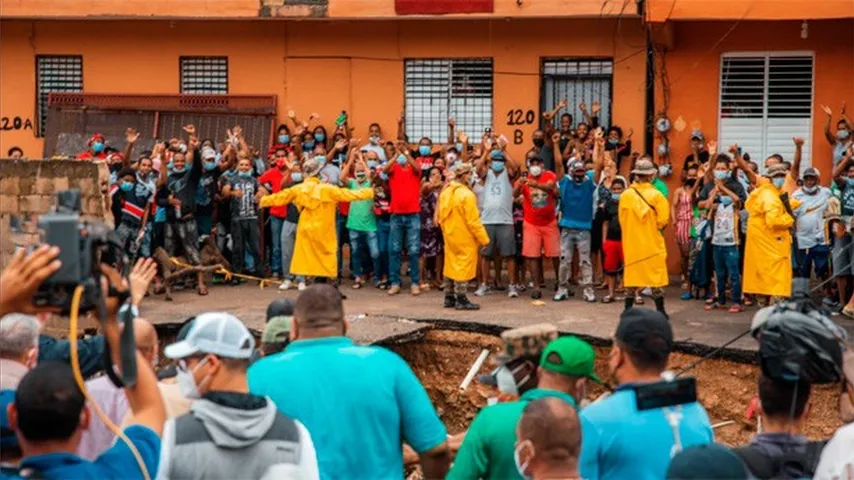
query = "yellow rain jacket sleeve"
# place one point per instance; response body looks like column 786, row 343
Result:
column 644, row 252
column 462, row 230
column 315, row 250
column 768, row 251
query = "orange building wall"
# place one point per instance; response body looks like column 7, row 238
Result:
column 318, row 66
column 663, row 10
column 694, row 71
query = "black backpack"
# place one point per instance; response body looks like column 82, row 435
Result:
column 762, row 466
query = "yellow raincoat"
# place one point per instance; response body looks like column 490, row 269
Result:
column 644, row 252
column 768, row 252
column 315, row 251
column 462, row 230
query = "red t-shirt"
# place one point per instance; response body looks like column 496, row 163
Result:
column 274, row 177
column 539, row 205
column 405, row 185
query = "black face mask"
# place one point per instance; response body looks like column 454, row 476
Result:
column 115, row 167
column 690, row 182
column 539, row 142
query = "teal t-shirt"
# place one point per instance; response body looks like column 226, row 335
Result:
column 361, row 217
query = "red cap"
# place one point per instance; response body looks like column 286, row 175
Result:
column 96, row 136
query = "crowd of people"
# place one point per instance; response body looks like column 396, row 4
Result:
column 447, row 215
column 308, row 403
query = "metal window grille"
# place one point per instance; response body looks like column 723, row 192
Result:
column 437, row 89
column 765, row 100
column 578, row 81
column 204, row 75
column 55, row 73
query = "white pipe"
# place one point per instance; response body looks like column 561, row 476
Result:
column 475, row 367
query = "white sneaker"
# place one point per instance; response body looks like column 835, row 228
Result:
column 286, row 285
column 481, row 290
column 511, row 291
column 647, row 292
column 589, row 296
column 301, row 286
column 561, row 295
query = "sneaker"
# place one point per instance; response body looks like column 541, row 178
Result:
column 521, row 287
column 561, row 295
column 286, row 285
column 511, row 291
column 394, row 290
column 415, row 290
column 647, row 292
column 301, row 286
column 481, row 290
column 275, row 276
column 589, row 296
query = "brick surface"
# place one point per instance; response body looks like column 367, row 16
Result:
column 9, row 185
column 31, row 204
column 45, row 186
column 8, row 203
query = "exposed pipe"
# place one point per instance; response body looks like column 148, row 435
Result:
column 475, row 367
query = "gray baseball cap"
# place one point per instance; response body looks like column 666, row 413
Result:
column 218, row 333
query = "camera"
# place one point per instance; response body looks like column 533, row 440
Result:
column 83, row 246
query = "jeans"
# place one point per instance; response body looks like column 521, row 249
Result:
column 570, row 239
column 406, row 226
column 359, row 242
column 383, row 234
column 343, row 237
column 288, row 240
column 246, row 234
column 276, row 237
column 818, row 256
column 726, row 264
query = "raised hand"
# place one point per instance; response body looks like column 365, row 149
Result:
column 131, row 135
column 22, row 277
column 140, row 278
column 451, row 122
column 631, row 132
column 313, row 116
column 238, row 131
column 562, row 104
column 598, row 133
column 733, row 149
column 842, row 109
column 463, row 137
column 556, row 138
column 799, row 142
column 582, row 106
column 190, row 129
column 827, row 110
column 292, row 114
column 341, row 144
column 594, row 109
column 713, row 147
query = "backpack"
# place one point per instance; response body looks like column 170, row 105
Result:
column 763, row 466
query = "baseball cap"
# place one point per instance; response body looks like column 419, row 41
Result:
column 696, row 133
column 645, row 330
column 706, row 461
column 280, row 307
column 812, row 172
column 570, row 356
column 278, row 329
column 777, row 170
column 219, row 333
column 577, row 166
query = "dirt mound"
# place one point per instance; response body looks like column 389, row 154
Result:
column 725, row 388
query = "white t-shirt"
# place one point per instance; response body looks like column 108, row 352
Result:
column 723, row 234
column 810, row 217
column 837, row 458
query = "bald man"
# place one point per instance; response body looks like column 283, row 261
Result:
column 548, row 440
column 98, row 438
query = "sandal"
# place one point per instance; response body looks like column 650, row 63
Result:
column 607, row 299
column 748, row 301
column 712, row 306
column 736, row 308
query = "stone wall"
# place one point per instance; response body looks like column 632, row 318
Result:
column 27, row 190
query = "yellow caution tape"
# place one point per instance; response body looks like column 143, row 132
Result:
column 228, row 274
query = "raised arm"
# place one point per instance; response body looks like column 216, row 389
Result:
column 452, row 131
column 828, row 134
column 192, row 139
column 598, row 154
column 739, row 160
column 795, row 172
column 560, row 167
column 401, row 126
column 131, row 136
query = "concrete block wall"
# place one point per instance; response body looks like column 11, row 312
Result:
column 28, row 188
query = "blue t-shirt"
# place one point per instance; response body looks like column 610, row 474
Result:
column 576, row 203
column 626, row 443
column 358, row 402
column 117, row 462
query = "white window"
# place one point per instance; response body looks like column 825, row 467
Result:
column 204, row 75
column 765, row 100
column 440, row 88
column 56, row 73
column 577, row 81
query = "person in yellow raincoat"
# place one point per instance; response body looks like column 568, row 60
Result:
column 643, row 212
column 315, row 250
column 768, row 251
column 459, row 218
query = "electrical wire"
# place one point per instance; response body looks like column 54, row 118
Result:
column 78, row 377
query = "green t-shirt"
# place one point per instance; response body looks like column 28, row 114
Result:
column 661, row 187
column 487, row 451
column 361, row 217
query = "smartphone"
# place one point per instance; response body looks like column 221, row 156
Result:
column 666, row 393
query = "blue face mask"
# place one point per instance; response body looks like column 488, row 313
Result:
column 496, row 155
column 321, row 159
column 721, row 174
column 170, row 165
column 284, row 139
column 372, row 164
column 615, row 196
column 497, row 166
column 850, row 182
column 127, row 186
column 401, row 159
column 245, row 174
column 842, row 134
column 179, row 170
column 590, row 174
column 726, row 200
column 97, row 147
column 296, row 177
column 424, row 150
column 210, row 165
column 319, row 136
column 459, row 147
column 307, row 145
column 613, row 141
column 779, row 181
column 384, row 176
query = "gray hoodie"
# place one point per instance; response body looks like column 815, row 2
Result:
column 236, row 435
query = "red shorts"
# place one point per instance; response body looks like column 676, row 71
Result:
column 537, row 240
column 613, row 252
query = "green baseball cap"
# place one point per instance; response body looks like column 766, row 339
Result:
column 277, row 330
column 570, row 356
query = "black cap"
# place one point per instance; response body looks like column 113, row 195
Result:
column 645, row 330
column 280, row 307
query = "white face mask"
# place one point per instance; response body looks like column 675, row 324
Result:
column 506, row 382
column 536, row 170
column 520, row 468
column 187, row 382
